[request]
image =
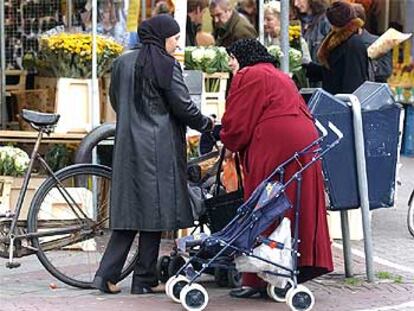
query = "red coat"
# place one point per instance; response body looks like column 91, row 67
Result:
column 266, row 121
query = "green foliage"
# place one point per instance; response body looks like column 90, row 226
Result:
column 13, row 161
column 207, row 59
column 59, row 156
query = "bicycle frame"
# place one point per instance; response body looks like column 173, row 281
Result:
column 12, row 236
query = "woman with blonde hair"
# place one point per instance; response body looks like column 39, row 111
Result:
column 272, row 29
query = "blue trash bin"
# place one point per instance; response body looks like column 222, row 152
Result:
column 381, row 120
column 407, row 147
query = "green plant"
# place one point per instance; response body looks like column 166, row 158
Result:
column 353, row 281
column 384, row 275
column 59, row 156
column 13, row 161
column 207, row 59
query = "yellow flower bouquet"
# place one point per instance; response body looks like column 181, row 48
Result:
column 67, row 55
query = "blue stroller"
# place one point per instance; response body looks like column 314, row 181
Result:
column 266, row 204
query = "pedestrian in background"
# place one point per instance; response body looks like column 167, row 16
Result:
column 272, row 29
column 267, row 121
column 343, row 58
column 315, row 25
column 381, row 68
column 149, row 178
column 195, row 12
column 228, row 25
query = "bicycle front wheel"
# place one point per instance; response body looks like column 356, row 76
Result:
column 410, row 214
column 69, row 223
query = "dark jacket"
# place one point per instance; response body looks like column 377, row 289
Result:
column 236, row 28
column 348, row 67
column 149, row 181
column 382, row 66
column 315, row 30
column 191, row 33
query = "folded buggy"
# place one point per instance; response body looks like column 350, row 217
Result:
column 241, row 237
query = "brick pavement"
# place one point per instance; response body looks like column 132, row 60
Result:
column 27, row 288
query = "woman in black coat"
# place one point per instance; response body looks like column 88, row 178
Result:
column 343, row 55
column 149, row 181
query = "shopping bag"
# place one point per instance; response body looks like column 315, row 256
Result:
column 222, row 206
column 283, row 257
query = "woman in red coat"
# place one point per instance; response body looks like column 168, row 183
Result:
column 266, row 121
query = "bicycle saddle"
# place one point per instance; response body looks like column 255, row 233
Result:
column 39, row 118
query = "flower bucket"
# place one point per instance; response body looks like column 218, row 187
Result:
column 74, row 105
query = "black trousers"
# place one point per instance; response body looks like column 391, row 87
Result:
column 117, row 251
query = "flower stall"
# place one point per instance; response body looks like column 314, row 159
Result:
column 213, row 62
column 64, row 61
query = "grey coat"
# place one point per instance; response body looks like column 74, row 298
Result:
column 149, row 181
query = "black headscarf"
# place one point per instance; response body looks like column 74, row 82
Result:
column 249, row 52
column 153, row 61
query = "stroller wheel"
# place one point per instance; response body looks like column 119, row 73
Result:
column 194, row 297
column 300, row 299
column 278, row 294
column 234, row 278
column 221, row 277
column 162, row 268
column 175, row 264
column 175, row 286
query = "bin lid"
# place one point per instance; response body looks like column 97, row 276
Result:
column 323, row 102
column 374, row 96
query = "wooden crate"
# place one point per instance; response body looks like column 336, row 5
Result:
column 9, row 193
column 21, row 81
column 214, row 102
column 42, row 100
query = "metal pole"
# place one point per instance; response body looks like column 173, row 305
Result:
column 346, row 242
column 261, row 20
column 362, row 180
column 69, row 14
column 2, row 68
column 143, row 10
column 94, row 109
column 284, row 34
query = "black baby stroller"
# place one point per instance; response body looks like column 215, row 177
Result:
column 243, row 234
column 211, row 216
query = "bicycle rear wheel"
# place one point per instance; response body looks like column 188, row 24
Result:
column 69, row 223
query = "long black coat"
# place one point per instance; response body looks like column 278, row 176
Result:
column 149, row 181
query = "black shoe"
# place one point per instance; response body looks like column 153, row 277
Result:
column 105, row 286
column 247, row 292
column 141, row 290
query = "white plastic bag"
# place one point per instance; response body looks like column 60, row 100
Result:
column 282, row 257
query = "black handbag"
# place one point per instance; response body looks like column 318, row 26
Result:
column 222, row 207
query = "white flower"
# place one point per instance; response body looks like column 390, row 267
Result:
column 197, row 55
column 14, row 157
column 210, row 54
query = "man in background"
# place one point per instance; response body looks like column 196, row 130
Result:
column 228, row 25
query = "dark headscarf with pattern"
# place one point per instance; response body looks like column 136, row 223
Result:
column 249, row 52
column 153, row 61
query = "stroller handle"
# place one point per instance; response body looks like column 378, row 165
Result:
column 336, row 130
column 321, row 128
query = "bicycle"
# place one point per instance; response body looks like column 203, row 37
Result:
column 410, row 214
column 67, row 226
